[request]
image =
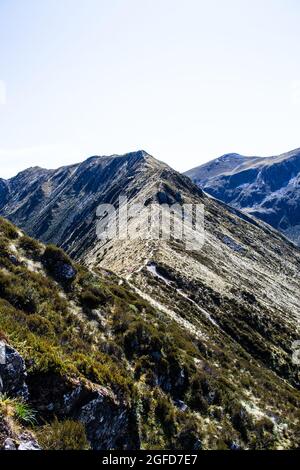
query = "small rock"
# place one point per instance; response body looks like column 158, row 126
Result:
column 30, row 445
column 181, row 405
column 13, row 259
column 234, row 446
column 67, row 272
column 9, row 444
column 27, row 442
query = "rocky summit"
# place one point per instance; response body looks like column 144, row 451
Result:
column 267, row 188
column 136, row 341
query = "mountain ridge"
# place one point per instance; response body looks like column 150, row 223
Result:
column 45, row 192
column 265, row 187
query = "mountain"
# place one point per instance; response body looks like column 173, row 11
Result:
column 267, row 188
column 3, row 191
column 207, row 334
column 59, row 206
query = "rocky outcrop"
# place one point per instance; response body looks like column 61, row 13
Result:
column 109, row 423
column 59, row 265
column 25, row 441
column 12, row 373
column 13, row 377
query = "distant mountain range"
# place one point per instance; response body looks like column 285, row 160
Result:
column 267, row 188
column 236, row 300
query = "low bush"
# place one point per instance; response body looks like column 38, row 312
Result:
column 189, row 437
column 165, row 413
column 24, row 413
column 23, row 297
column 63, row 435
column 92, row 298
column 40, row 325
column 8, row 229
column 141, row 339
column 241, row 420
column 18, row 409
column 59, row 265
column 30, row 246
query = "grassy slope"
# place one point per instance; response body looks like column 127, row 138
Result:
column 97, row 331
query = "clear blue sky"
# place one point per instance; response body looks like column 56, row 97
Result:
column 185, row 80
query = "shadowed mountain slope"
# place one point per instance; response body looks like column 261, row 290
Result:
column 268, row 188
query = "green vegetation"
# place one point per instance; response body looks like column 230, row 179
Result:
column 24, row 413
column 31, row 247
column 8, row 230
column 64, row 435
column 59, row 265
column 93, row 298
column 18, row 409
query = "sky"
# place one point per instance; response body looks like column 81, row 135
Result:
column 185, row 80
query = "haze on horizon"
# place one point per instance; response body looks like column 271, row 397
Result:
column 186, row 81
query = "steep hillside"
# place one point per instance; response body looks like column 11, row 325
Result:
column 89, row 364
column 268, row 188
column 3, row 192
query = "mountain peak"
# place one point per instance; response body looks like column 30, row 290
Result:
column 133, row 154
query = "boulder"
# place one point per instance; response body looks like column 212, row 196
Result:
column 66, row 272
column 12, row 373
column 23, row 442
column 27, row 442
column 9, row 444
column 108, row 423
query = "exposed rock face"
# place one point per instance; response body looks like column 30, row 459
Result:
column 9, row 444
column 3, row 192
column 268, row 188
column 218, row 167
column 24, row 441
column 13, row 378
column 108, row 424
column 13, row 374
column 29, row 445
